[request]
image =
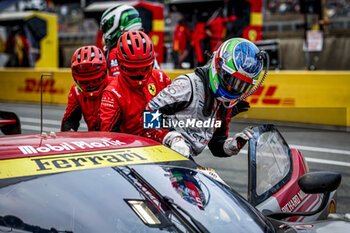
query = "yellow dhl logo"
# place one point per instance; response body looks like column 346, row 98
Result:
column 80, row 161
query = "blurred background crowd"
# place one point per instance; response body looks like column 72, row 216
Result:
column 189, row 31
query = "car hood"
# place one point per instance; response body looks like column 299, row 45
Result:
column 106, row 199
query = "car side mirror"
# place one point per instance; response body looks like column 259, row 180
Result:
column 9, row 123
column 314, row 182
column 319, row 182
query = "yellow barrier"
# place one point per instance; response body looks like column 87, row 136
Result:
column 317, row 97
column 24, row 85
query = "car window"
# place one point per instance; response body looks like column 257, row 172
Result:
column 272, row 159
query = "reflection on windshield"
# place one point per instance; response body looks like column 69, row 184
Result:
column 102, row 200
column 272, row 161
column 206, row 200
column 166, row 204
column 188, row 187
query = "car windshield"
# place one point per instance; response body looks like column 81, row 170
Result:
column 113, row 199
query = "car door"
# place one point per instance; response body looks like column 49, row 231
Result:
column 274, row 170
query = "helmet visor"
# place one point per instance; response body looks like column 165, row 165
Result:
column 91, row 85
column 233, row 82
column 108, row 24
column 136, row 72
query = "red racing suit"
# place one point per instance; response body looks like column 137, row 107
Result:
column 218, row 31
column 112, row 62
column 122, row 104
column 80, row 105
column 198, row 37
column 182, row 35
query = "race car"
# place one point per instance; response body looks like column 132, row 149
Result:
column 113, row 182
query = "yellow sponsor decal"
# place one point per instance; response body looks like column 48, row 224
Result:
column 87, row 160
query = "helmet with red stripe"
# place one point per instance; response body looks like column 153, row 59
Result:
column 89, row 70
column 135, row 57
column 234, row 69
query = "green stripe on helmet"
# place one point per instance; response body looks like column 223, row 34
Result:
column 213, row 77
column 110, row 10
column 126, row 19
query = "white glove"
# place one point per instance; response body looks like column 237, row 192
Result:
column 232, row 146
column 175, row 141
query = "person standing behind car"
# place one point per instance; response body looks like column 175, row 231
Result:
column 124, row 100
column 207, row 95
column 181, row 43
column 200, row 40
column 114, row 22
column 89, row 71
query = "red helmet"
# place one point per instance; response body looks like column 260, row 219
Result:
column 135, row 56
column 89, row 70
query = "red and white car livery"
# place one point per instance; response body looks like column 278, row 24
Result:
column 35, row 154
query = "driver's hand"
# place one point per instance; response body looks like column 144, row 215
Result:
column 241, row 106
column 175, row 141
column 232, row 146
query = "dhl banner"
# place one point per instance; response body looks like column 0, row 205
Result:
column 317, row 97
column 25, row 85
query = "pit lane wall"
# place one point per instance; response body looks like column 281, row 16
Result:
column 316, row 97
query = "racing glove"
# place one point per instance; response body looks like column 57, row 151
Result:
column 241, row 106
column 175, row 141
column 232, row 146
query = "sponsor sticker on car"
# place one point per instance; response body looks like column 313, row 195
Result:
column 39, row 165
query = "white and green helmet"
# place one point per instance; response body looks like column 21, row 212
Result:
column 234, row 69
column 118, row 19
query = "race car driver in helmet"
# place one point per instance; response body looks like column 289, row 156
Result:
column 212, row 93
column 114, row 22
column 124, row 100
column 89, row 71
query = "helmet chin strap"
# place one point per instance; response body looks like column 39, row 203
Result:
column 262, row 55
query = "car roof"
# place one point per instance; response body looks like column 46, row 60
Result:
column 29, row 145
column 33, row 154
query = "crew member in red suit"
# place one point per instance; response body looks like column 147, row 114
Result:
column 199, row 40
column 89, row 71
column 216, row 29
column 125, row 99
column 181, row 42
